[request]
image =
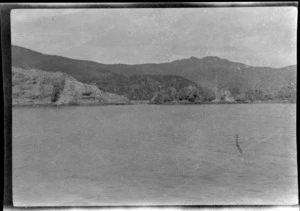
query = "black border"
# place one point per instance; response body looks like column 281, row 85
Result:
column 5, row 45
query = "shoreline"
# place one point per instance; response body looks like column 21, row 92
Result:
column 151, row 103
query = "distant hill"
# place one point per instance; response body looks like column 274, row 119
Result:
column 210, row 71
column 135, row 87
column 138, row 82
column 79, row 69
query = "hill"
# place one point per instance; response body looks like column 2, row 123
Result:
column 81, row 70
column 32, row 86
column 212, row 71
column 140, row 81
column 143, row 87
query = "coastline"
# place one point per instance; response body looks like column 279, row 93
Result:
column 134, row 102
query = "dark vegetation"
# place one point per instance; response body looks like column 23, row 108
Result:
column 142, row 87
column 57, row 90
column 188, row 80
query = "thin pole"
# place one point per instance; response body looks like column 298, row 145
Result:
column 237, row 143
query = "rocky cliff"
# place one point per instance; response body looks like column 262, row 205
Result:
column 224, row 95
column 32, row 86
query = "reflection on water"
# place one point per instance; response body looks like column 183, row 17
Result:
column 155, row 154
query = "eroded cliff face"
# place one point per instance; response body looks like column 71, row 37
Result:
column 226, row 96
column 31, row 86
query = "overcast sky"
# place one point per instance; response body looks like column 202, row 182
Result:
column 257, row 36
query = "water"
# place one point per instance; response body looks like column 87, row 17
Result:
column 155, row 155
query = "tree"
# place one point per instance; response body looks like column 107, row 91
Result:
column 189, row 93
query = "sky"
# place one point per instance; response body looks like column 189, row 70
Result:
column 258, row 36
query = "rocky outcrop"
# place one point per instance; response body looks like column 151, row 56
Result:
column 32, row 86
column 224, row 95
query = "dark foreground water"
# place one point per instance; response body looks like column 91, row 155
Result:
column 155, row 155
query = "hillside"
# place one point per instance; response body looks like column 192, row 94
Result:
column 31, row 86
column 83, row 71
column 210, row 71
column 142, row 87
column 141, row 81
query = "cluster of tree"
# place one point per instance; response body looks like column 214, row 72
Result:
column 171, row 88
column 144, row 87
column 286, row 93
column 189, row 93
column 196, row 94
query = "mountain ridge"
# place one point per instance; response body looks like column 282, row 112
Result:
column 210, row 73
column 191, row 57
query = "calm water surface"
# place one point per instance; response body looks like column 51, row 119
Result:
column 155, row 154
